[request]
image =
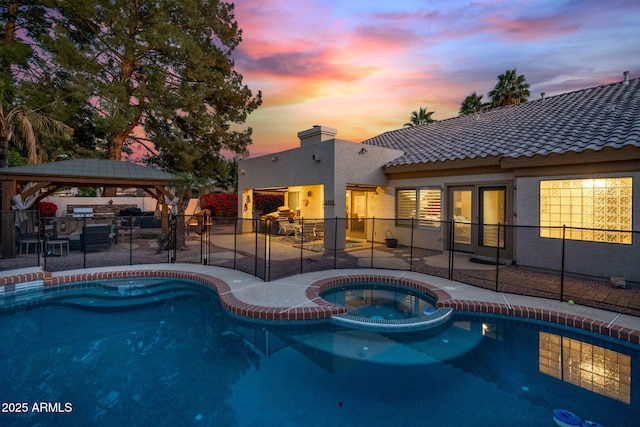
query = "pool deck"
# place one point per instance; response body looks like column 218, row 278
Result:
column 296, row 297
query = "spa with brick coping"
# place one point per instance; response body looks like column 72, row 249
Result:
column 323, row 309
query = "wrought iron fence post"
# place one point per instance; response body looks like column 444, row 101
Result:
column 255, row 252
column 497, row 256
column 235, row 242
column 411, row 246
column 171, row 241
column 301, row 241
column 373, row 230
column 335, row 244
column 82, row 242
column 564, row 229
column 452, row 236
column 130, row 240
column 204, row 259
column 201, row 224
column 267, row 248
column 42, row 232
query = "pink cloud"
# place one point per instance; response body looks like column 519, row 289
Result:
column 531, row 29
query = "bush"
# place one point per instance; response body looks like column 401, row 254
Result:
column 226, row 205
column 47, row 209
column 221, row 205
column 267, row 203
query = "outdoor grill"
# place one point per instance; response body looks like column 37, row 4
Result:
column 82, row 213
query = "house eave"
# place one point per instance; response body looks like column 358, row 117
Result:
column 624, row 159
column 446, row 167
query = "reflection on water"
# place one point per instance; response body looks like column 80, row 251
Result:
column 379, row 301
column 591, row 367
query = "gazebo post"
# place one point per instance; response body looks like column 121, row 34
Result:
column 8, row 221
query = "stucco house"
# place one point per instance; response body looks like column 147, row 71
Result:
column 510, row 177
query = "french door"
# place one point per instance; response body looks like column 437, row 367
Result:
column 492, row 215
column 463, row 215
column 357, row 214
column 478, row 215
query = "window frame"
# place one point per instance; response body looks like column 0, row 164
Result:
column 591, row 209
column 418, row 210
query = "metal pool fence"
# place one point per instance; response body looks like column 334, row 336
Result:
column 271, row 250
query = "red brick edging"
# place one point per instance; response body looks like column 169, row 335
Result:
column 444, row 300
column 324, row 310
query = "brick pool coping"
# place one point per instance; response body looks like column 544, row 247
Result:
column 323, row 309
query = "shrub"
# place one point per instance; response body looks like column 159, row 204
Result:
column 221, row 205
column 267, row 203
column 47, row 209
column 226, row 205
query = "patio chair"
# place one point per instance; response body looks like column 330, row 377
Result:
column 286, row 225
column 306, row 231
column 25, row 240
column 96, row 237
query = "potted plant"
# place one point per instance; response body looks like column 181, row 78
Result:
column 390, row 241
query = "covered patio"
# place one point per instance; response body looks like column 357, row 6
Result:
column 39, row 181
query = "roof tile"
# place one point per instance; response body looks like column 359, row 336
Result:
column 588, row 119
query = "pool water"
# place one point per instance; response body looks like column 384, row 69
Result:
column 176, row 359
column 379, row 301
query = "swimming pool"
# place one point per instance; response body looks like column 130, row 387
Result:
column 171, row 356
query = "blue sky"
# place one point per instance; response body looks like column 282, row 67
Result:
column 362, row 67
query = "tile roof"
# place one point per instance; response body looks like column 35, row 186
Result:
column 93, row 168
column 588, row 119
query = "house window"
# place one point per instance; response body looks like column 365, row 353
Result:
column 423, row 204
column 598, row 210
column 430, row 201
column 405, row 206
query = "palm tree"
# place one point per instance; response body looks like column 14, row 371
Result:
column 510, row 89
column 473, row 104
column 28, row 121
column 420, row 118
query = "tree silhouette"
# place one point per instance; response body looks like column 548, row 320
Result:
column 510, row 89
column 420, row 117
column 473, row 104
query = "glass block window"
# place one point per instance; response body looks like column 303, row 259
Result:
column 424, row 204
column 598, row 210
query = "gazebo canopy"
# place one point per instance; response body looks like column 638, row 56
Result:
column 48, row 178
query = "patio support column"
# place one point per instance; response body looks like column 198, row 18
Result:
column 8, row 222
column 245, row 209
column 335, row 206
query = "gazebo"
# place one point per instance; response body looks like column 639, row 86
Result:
column 47, row 178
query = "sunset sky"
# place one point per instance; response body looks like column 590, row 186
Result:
column 363, row 67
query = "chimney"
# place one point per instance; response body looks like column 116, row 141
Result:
column 316, row 135
column 542, row 94
column 626, row 77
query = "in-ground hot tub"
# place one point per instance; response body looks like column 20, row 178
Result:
column 383, row 306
